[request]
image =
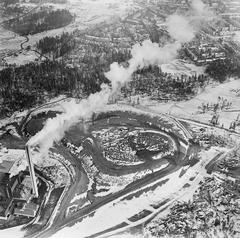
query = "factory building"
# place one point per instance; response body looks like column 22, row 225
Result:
column 16, row 192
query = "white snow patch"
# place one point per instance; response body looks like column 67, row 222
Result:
column 19, row 158
column 78, row 197
column 14, row 232
column 229, row 90
column 119, row 211
column 180, row 67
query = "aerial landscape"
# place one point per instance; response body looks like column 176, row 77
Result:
column 119, row 118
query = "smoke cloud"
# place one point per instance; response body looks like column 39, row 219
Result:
column 143, row 55
column 147, row 53
column 200, row 9
column 180, row 29
column 54, row 129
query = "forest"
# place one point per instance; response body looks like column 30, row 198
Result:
column 219, row 70
column 24, row 86
column 9, row 2
column 40, row 21
column 56, row 46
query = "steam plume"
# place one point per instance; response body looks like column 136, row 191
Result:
column 200, row 9
column 180, row 29
column 145, row 54
column 198, row 6
column 55, row 128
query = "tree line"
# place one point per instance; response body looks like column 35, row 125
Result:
column 152, row 82
column 56, row 46
column 221, row 69
column 40, row 21
column 25, row 85
column 9, row 2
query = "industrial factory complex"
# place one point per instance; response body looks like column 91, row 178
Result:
column 119, row 118
column 17, row 192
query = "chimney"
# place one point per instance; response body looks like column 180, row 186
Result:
column 32, row 172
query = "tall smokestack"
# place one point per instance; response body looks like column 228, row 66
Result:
column 32, row 172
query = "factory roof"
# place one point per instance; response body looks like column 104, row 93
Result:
column 6, row 165
column 30, row 210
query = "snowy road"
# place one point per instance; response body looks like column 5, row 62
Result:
column 146, row 182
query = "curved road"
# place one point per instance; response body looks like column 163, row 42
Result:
column 61, row 221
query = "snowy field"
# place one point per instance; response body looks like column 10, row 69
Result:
column 14, row 232
column 230, row 90
column 23, row 58
column 119, row 211
column 179, row 67
column 88, row 13
column 113, row 214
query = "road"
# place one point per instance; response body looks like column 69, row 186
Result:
column 135, row 121
column 25, row 36
column 61, row 221
column 78, row 216
column 24, row 42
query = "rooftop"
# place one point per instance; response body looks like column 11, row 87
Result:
column 6, row 165
column 30, row 210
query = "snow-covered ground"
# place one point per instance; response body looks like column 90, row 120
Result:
column 93, row 12
column 24, row 58
column 118, row 211
column 9, row 40
column 180, row 67
column 142, row 110
column 111, row 183
column 54, row 104
column 14, row 232
column 16, row 117
column 79, row 196
column 88, row 13
column 236, row 37
column 113, row 214
column 17, row 156
column 229, row 90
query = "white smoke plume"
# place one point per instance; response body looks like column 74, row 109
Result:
column 180, row 29
column 200, row 9
column 143, row 55
column 146, row 54
column 55, row 128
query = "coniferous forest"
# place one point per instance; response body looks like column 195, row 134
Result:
column 40, row 21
